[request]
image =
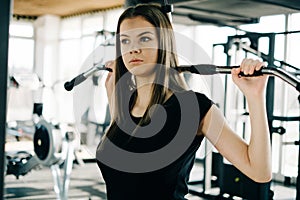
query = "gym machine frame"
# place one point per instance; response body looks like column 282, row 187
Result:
column 5, row 9
column 265, row 191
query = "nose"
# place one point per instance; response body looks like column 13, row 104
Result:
column 135, row 49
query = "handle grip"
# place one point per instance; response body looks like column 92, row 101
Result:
column 75, row 81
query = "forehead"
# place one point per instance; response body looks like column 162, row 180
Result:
column 136, row 25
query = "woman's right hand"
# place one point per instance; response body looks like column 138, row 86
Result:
column 110, row 82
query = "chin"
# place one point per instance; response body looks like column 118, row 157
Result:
column 142, row 70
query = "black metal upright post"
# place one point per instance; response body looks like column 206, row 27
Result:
column 298, row 176
column 4, row 35
column 270, row 91
column 271, row 84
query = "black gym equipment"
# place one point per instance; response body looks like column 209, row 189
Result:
column 230, row 181
column 5, row 14
column 202, row 69
column 47, row 142
column 54, row 148
column 20, row 163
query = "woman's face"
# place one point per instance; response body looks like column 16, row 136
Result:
column 139, row 46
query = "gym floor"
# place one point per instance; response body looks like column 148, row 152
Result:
column 87, row 184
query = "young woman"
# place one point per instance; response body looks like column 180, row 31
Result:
column 158, row 124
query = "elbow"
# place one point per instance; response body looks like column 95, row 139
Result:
column 263, row 178
column 262, row 173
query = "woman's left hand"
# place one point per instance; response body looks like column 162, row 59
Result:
column 250, row 86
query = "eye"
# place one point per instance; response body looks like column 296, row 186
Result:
column 125, row 41
column 145, row 39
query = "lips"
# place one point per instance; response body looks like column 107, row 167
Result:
column 135, row 60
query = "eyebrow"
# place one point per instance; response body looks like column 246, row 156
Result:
column 143, row 33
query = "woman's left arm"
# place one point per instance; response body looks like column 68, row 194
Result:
column 253, row 159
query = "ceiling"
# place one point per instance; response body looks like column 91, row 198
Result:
column 62, row 8
column 190, row 12
column 230, row 12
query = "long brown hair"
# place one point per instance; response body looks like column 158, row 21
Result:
column 166, row 60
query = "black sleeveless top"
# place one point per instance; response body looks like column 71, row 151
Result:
column 154, row 166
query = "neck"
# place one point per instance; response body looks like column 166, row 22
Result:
column 144, row 89
column 144, row 94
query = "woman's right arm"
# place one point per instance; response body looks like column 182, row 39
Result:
column 252, row 158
